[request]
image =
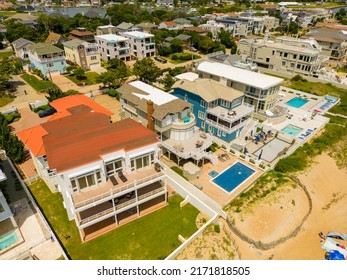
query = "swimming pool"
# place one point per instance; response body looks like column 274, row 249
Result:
column 233, row 176
column 8, row 240
column 213, row 173
column 292, row 130
column 297, row 102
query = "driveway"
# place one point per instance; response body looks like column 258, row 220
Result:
column 65, row 84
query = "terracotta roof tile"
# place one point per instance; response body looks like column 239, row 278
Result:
column 169, row 23
column 32, row 138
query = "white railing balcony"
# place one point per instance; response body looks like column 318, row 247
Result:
column 225, row 128
column 116, row 209
column 184, row 125
column 113, row 192
column 50, row 59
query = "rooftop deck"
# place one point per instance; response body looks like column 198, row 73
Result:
column 107, row 190
column 232, row 115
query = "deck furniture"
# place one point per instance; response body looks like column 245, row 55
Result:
column 113, row 180
column 121, row 176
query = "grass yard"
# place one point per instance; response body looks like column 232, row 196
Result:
column 35, row 83
column 324, row 89
column 7, row 14
column 153, row 236
column 177, row 58
column 5, row 55
column 5, row 100
column 91, row 78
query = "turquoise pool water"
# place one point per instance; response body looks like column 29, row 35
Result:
column 8, row 240
column 233, row 176
column 297, row 102
column 292, row 130
column 213, row 173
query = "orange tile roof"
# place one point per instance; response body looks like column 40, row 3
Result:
column 169, row 23
column 83, row 137
column 32, row 138
column 81, row 33
column 53, row 37
column 62, row 104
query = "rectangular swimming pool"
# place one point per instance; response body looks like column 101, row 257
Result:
column 233, row 176
column 291, row 130
column 8, row 240
column 297, row 102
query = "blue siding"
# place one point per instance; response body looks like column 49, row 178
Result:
column 193, row 99
column 59, row 65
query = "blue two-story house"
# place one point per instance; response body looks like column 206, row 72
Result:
column 218, row 109
column 47, row 58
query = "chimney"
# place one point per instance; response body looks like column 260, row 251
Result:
column 150, row 110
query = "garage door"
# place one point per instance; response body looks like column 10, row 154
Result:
column 55, row 73
column 93, row 65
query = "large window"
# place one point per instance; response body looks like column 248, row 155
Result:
column 113, row 166
column 86, row 180
column 201, row 115
column 225, row 103
column 141, row 161
column 203, row 103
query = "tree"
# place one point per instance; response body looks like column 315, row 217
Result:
column 167, row 81
column 71, row 68
column 7, row 69
column 110, row 79
column 54, row 93
column 146, row 70
column 176, row 45
column 16, row 30
column 79, row 74
column 225, row 37
column 118, row 67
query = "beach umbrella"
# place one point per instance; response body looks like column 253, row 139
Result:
column 260, row 154
column 336, row 255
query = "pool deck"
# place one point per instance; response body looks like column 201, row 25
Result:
column 217, row 193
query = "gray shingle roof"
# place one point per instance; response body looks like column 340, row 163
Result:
column 125, row 25
column 183, row 37
column 21, row 43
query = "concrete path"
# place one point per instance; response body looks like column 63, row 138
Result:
column 65, row 84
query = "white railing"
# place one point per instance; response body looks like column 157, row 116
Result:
column 184, row 125
column 112, row 192
column 49, row 59
column 120, row 206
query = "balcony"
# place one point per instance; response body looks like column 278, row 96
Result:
column 93, row 196
column 180, row 124
column 109, row 209
column 51, row 59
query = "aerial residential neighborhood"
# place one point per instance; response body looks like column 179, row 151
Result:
column 165, row 130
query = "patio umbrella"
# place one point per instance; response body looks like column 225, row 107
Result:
column 260, row 154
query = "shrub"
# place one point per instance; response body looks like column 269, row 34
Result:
column 251, row 161
column 213, row 148
column 242, row 156
column 113, row 93
column 176, row 71
column 216, row 228
column 179, row 171
column 42, row 108
column 232, row 151
column 12, row 117
column 224, row 147
column 298, row 78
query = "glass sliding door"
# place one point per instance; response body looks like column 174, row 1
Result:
column 86, row 180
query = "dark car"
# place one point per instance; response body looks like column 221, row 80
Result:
column 47, row 113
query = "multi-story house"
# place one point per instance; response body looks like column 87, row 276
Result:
column 82, row 34
column 82, row 53
column 241, row 26
column 49, row 59
column 259, row 90
column 141, row 44
column 218, row 109
column 147, row 27
column 265, row 23
column 126, row 27
column 113, row 46
column 170, row 25
column 171, row 117
column 285, row 54
column 106, row 29
column 214, row 27
column 104, row 171
column 20, row 47
column 182, row 22
column 333, row 42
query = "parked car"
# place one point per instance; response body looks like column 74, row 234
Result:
column 47, row 113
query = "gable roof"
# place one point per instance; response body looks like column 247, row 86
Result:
column 78, row 33
column 209, row 89
column 124, row 25
column 32, row 138
column 54, row 38
column 74, row 43
column 183, row 37
column 169, row 23
column 21, row 43
column 43, row 48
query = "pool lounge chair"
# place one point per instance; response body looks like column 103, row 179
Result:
column 121, row 176
column 113, row 180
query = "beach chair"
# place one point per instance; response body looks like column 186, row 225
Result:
column 121, row 176
column 113, row 180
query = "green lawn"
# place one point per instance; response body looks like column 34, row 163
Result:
column 7, row 13
column 5, row 55
column 153, row 236
column 324, row 89
column 91, row 78
column 37, row 84
column 5, row 100
column 187, row 55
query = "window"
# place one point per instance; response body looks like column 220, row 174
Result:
column 267, row 59
column 49, row 64
column 86, row 180
column 283, row 63
column 202, row 125
column 93, row 57
column 113, row 166
column 201, row 115
column 292, row 65
column 218, row 132
column 273, row 52
column 223, row 133
column 294, row 56
column 203, row 103
column 285, row 54
column 141, row 161
column 236, row 102
column 225, row 103
column 62, row 63
column 186, row 97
